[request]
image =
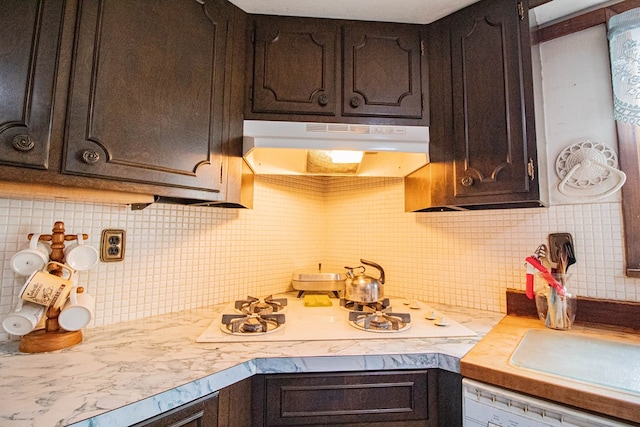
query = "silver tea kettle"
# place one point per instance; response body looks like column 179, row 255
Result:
column 362, row 288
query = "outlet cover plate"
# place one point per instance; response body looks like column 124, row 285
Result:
column 112, row 245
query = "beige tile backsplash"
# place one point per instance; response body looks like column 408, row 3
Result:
column 180, row 257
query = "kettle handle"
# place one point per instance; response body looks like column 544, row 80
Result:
column 373, row 264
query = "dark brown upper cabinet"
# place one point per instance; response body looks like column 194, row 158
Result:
column 381, row 70
column 490, row 57
column 147, row 93
column 483, row 145
column 295, row 66
column 28, row 61
column 307, row 69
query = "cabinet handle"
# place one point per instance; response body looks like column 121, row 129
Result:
column 467, row 181
column 355, row 102
column 23, row 143
column 90, row 157
column 531, row 170
column 521, row 11
column 323, row 100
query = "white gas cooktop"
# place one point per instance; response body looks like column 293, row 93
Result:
column 332, row 323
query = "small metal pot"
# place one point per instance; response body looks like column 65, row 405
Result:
column 362, row 288
column 320, row 280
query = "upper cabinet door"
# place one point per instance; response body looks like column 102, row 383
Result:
column 381, row 70
column 146, row 96
column 295, row 66
column 494, row 149
column 29, row 31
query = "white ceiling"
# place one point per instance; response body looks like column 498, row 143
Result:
column 409, row 11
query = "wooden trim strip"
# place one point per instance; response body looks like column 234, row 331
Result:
column 629, row 158
column 584, row 21
column 602, row 313
column 19, row 190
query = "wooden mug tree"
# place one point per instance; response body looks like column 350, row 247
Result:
column 52, row 337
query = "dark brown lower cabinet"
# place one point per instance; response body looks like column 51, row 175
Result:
column 429, row 398
column 449, row 399
column 389, row 399
column 234, row 405
column 229, row 407
column 202, row 412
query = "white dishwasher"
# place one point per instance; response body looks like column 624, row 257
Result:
column 488, row 406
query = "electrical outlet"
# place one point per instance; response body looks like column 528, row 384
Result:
column 112, row 245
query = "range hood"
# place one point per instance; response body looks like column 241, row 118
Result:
column 304, row 148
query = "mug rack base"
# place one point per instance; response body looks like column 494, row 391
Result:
column 41, row 341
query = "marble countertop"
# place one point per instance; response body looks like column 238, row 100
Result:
column 130, row 371
column 488, row 362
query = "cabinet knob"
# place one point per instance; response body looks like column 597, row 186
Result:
column 23, row 143
column 323, row 100
column 90, row 157
column 467, row 181
column 355, row 102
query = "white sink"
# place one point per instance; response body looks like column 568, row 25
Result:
column 597, row 361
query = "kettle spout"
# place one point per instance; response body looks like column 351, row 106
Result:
column 350, row 274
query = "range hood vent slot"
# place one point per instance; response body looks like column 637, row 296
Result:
column 299, row 148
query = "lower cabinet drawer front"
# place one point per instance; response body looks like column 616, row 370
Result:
column 330, row 399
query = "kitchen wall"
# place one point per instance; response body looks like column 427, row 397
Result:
column 180, row 257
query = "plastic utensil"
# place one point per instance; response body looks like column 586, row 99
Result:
column 540, row 254
column 571, row 257
column 546, row 275
column 531, row 270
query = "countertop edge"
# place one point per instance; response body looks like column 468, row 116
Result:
column 193, row 390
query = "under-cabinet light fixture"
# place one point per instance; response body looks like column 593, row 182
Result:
column 346, row 156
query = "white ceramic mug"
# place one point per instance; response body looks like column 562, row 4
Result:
column 24, row 318
column 32, row 258
column 77, row 311
column 79, row 256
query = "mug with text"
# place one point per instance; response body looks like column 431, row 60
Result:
column 47, row 289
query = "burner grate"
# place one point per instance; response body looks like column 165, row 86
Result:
column 380, row 321
column 252, row 323
column 266, row 305
column 369, row 307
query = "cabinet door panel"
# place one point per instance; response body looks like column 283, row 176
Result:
column 490, row 138
column 362, row 398
column 381, row 70
column 148, row 81
column 295, row 64
column 29, row 31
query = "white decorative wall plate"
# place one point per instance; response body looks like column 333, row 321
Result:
column 588, row 170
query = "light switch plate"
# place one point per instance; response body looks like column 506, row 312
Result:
column 112, row 245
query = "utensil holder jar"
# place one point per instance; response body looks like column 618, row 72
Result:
column 556, row 311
